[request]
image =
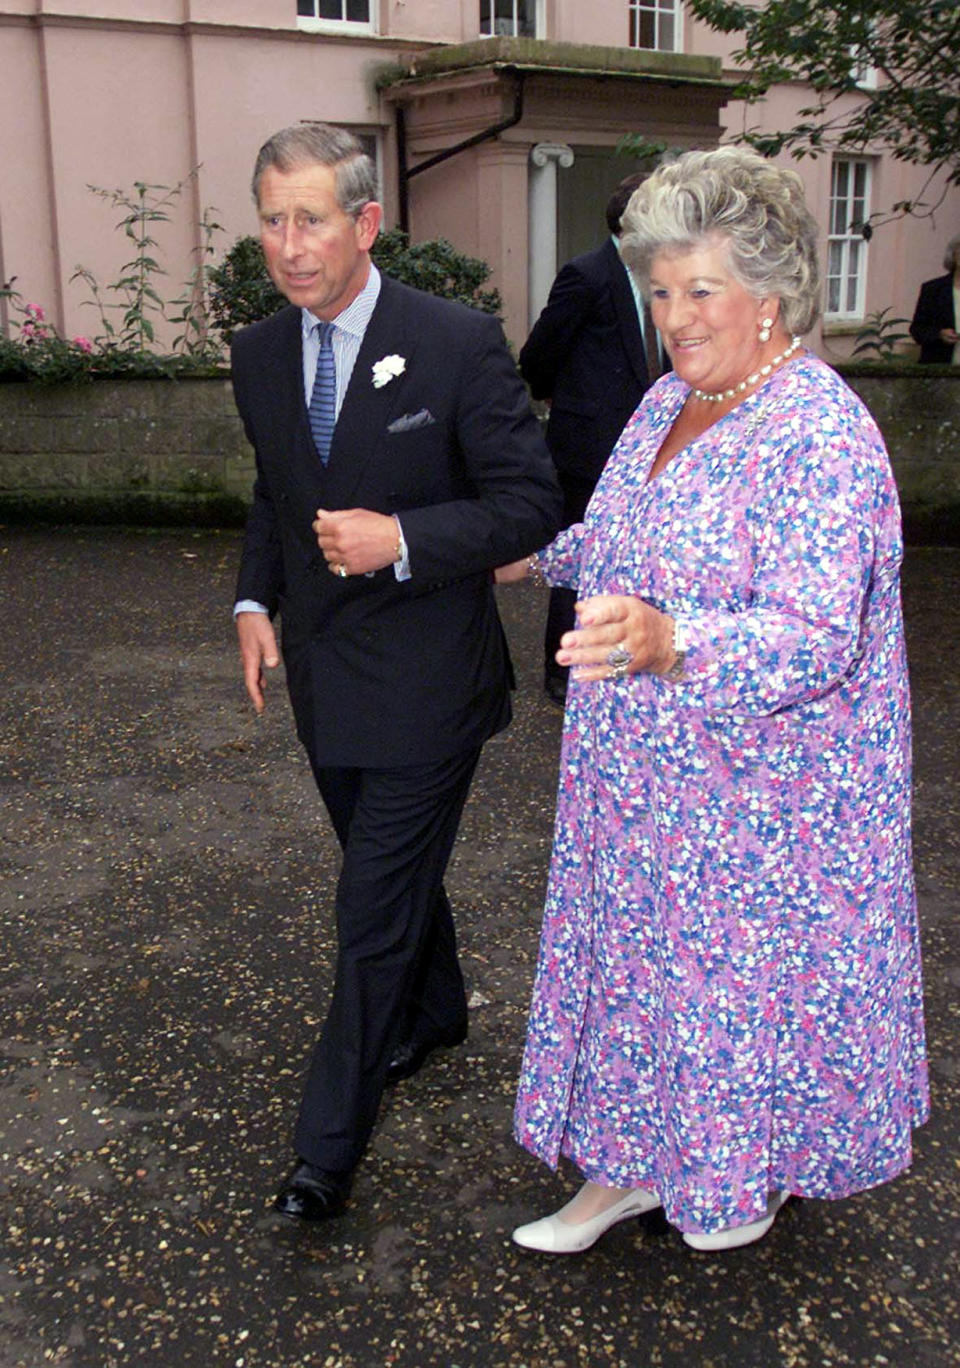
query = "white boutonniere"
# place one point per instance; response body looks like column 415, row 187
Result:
column 386, row 369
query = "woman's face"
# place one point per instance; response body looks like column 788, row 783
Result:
column 710, row 325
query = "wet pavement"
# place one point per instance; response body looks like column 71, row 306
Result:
column 167, row 878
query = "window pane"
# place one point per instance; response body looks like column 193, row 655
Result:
column 307, row 9
column 853, row 267
column 526, row 14
column 648, row 31
column 666, row 42
column 847, row 249
column 838, row 215
column 358, row 11
column 331, row 9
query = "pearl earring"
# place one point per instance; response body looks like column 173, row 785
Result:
column 765, row 325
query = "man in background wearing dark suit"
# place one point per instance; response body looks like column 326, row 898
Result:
column 586, row 355
column 397, row 463
column 936, row 319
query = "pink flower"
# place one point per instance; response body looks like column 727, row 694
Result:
column 34, row 311
column 83, row 343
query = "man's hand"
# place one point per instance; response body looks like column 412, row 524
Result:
column 258, row 648
column 355, row 541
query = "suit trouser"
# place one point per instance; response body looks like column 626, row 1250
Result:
column 397, row 974
column 560, row 615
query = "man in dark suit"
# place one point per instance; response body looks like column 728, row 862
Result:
column 586, row 355
column 936, row 318
column 375, row 542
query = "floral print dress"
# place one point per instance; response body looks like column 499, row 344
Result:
column 728, row 995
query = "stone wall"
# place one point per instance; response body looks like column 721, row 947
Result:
column 917, row 408
column 174, row 451
column 124, row 451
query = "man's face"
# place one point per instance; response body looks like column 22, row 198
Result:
column 316, row 254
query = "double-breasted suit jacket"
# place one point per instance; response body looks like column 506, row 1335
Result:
column 385, row 673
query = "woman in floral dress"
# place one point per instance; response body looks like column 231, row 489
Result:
column 727, row 1007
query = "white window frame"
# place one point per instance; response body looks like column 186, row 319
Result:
column 660, row 10
column 846, row 245
column 510, row 30
column 865, row 76
column 314, row 24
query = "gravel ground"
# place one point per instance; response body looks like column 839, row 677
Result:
column 167, row 877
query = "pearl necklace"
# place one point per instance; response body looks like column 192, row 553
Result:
column 761, row 374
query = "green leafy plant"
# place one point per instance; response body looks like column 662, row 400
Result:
column 242, row 292
column 196, row 339
column 130, row 308
column 135, row 294
column 879, row 73
column 880, row 337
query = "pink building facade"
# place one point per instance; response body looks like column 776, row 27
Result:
column 494, row 122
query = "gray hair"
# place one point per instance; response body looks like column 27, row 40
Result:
column 950, row 256
column 309, row 144
column 755, row 207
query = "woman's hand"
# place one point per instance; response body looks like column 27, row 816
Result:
column 611, row 621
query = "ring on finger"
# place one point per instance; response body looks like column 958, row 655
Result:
column 619, row 658
column 342, row 571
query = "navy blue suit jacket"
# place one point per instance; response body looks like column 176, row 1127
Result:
column 934, row 311
column 385, row 673
column 585, row 354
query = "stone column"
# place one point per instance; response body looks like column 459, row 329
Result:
column 545, row 157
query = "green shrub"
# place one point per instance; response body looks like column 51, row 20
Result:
column 881, row 337
column 241, row 291
column 437, row 267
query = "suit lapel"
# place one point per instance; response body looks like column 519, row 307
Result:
column 367, row 409
column 283, row 371
column 626, row 309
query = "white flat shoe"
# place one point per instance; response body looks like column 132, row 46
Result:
column 553, row 1236
column 735, row 1236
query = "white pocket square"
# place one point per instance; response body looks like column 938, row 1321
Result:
column 408, row 421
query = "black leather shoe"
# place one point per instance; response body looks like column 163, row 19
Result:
column 409, row 1057
column 312, row 1194
column 555, row 687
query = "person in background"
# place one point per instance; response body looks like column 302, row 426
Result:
column 586, row 355
column 397, row 460
column 727, row 1007
column 937, row 315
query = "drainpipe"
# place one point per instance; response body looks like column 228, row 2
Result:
column 405, row 175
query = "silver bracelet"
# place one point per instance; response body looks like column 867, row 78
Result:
column 536, row 574
column 676, row 670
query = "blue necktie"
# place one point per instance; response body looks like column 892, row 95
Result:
column 323, row 397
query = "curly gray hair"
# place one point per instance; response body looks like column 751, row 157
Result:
column 308, row 144
column 755, row 207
